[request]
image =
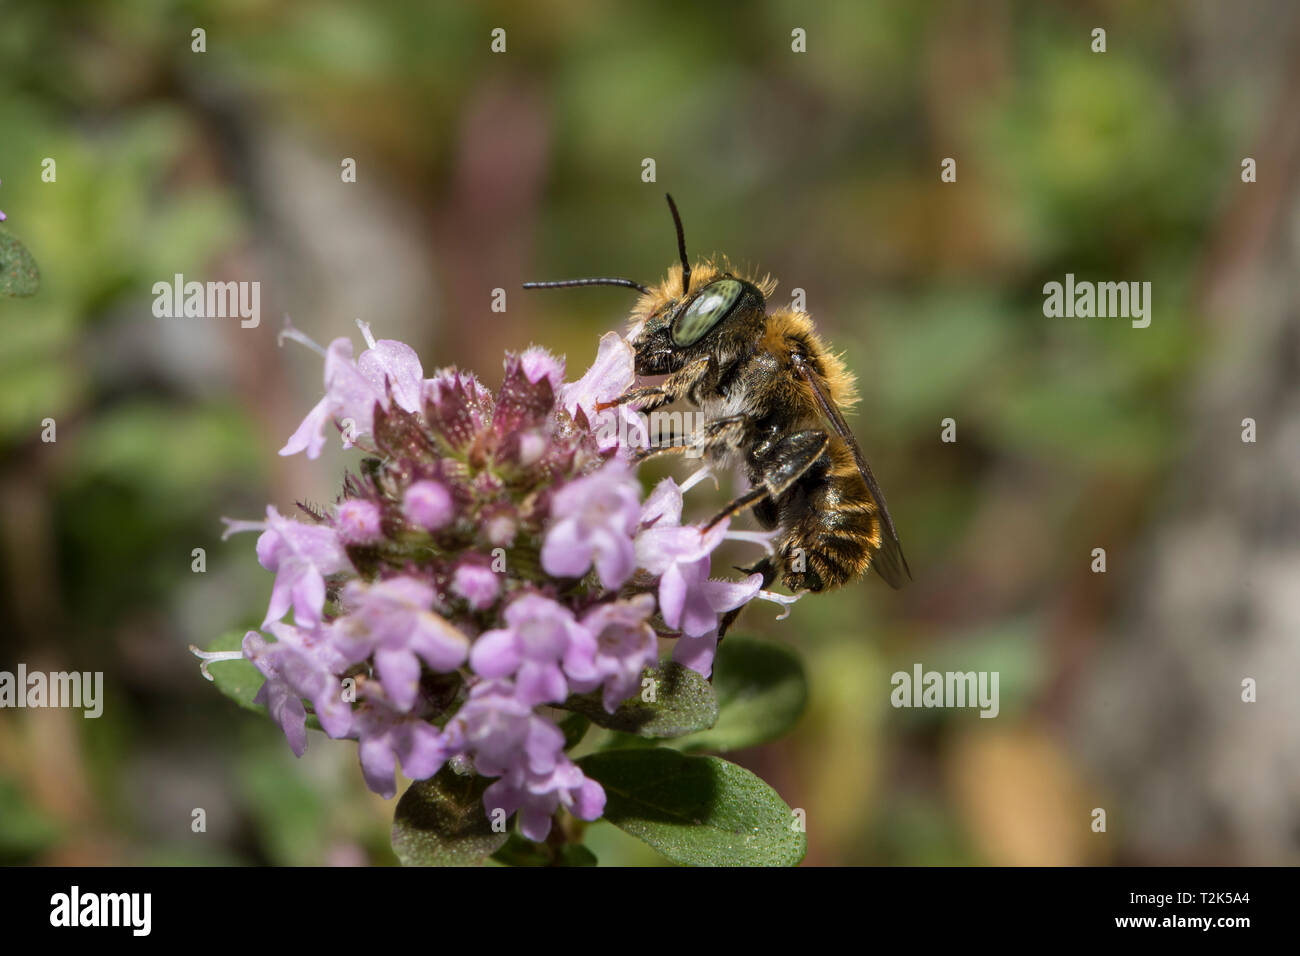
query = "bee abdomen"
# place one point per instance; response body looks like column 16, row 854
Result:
column 828, row 548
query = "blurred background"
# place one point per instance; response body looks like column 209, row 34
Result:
column 479, row 170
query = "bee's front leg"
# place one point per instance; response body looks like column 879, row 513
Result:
column 652, row 397
column 722, row 432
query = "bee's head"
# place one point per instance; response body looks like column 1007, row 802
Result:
column 716, row 310
column 695, row 312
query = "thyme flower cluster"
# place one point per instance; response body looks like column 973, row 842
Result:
column 492, row 556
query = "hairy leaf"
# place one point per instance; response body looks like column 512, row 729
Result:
column 19, row 275
column 441, row 822
column 700, row 811
column 683, row 702
column 761, row 690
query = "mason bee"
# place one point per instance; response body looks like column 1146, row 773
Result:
column 771, row 394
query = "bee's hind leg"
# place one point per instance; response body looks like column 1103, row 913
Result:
column 783, row 467
column 766, row 567
column 749, row 498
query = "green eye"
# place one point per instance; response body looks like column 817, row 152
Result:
column 708, row 309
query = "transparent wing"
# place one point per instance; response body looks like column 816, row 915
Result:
column 888, row 560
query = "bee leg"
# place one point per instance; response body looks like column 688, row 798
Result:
column 768, row 569
column 737, row 506
column 721, row 431
column 657, row 396
column 790, row 458
column 641, row 454
column 654, row 394
column 785, row 464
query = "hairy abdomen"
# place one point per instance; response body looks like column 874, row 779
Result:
column 830, row 529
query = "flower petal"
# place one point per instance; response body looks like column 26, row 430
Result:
column 399, row 672
column 495, row 654
column 540, row 683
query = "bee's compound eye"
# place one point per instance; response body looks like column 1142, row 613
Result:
column 708, row 309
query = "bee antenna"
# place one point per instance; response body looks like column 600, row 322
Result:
column 602, row 280
column 681, row 244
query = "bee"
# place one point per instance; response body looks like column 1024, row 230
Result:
column 770, row 392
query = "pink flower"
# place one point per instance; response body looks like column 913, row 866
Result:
column 387, row 735
column 393, row 368
column 298, row 664
column 680, row 555
column 352, row 389
column 428, row 505
column 663, row 541
column 530, row 467
column 502, row 732
column 537, row 796
column 393, row 620
column 594, row 520
column 302, row 556
column 691, row 601
column 541, row 645
column 358, row 521
column 625, row 645
column 663, row 506
column 477, row 583
column 612, row 374
column 508, row 740
column 537, row 362
column 500, row 530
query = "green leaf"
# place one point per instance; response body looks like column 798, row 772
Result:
column 239, row 680
column 519, row 851
column 18, row 273
column 618, row 741
column 684, row 702
column 26, row 829
column 575, row 854
column 762, row 691
column 700, row 811
column 441, row 822
column 574, row 728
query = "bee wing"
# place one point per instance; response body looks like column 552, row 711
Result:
column 888, row 560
